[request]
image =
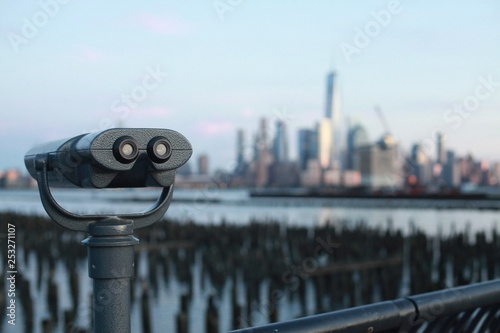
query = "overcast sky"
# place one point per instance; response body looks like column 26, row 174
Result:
column 206, row 68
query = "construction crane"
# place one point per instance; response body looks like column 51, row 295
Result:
column 382, row 120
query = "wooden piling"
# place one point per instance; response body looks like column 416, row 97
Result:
column 145, row 310
column 182, row 318
column 53, row 297
column 26, row 303
column 235, row 307
column 69, row 321
column 47, row 326
column 212, row 317
column 74, row 285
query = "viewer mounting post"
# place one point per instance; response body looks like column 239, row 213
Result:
column 110, row 159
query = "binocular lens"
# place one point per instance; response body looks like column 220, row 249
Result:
column 159, row 149
column 125, row 149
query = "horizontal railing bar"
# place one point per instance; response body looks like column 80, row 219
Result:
column 454, row 300
column 400, row 313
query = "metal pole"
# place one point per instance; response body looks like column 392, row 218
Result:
column 111, row 265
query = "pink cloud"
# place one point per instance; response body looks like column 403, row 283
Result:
column 216, row 127
column 90, row 54
column 248, row 113
column 162, row 24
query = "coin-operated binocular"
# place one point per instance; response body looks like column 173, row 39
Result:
column 114, row 158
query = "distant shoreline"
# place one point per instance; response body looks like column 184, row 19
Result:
column 387, row 200
column 308, row 193
column 305, row 197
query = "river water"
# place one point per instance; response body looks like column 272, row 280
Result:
column 236, row 206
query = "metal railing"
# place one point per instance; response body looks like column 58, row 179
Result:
column 471, row 308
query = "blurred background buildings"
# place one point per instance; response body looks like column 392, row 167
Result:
column 332, row 155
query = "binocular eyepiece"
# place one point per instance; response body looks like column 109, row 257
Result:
column 126, row 149
column 132, row 157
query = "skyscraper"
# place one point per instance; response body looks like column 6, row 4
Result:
column 331, row 96
column 422, row 165
column 441, row 149
column 308, row 146
column 203, row 164
column 280, row 144
column 379, row 164
column 240, row 153
column 451, row 171
column 263, row 156
column 325, row 143
column 356, row 138
column 330, row 134
column 240, row 147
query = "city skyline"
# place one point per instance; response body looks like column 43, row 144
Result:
column 438, row 153
column 377, row 163
column 373, row 164
column 69, row 68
